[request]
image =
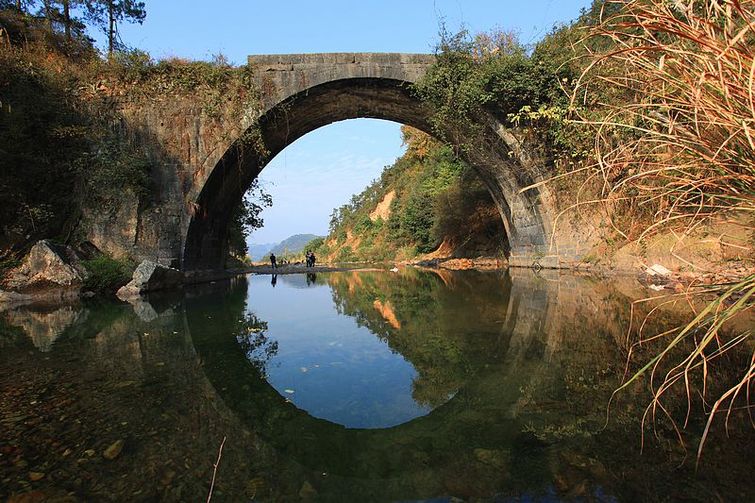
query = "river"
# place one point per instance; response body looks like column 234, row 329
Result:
column 350, row 386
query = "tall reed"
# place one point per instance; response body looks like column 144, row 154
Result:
column 678, row 148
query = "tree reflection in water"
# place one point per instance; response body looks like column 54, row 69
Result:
column 251, row 334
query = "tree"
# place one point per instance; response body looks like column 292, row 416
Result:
column 54, row 12
column 19, row 5
column 246, row 218
column 67, row 19
column 106, row 14
column 49, row 11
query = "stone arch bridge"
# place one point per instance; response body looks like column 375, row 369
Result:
column 205, row 165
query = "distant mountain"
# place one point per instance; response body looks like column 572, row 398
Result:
column 259, row 252
column 292, row 245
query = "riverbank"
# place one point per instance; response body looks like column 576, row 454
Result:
column 302, row 269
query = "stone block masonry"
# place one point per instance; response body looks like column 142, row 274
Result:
column 204, row 163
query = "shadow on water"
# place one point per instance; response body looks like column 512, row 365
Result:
column 513, row 371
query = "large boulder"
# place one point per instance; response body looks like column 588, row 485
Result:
column 47, row 265
column 151, row 276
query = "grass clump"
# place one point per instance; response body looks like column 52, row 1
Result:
column 676, row 152
column 106, row 274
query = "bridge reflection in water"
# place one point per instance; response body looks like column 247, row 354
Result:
column 527, row 360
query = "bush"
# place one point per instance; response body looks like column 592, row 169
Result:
column 106, row 274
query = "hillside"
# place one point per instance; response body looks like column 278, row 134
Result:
column 428, row 204
column 293, row 245
column 259, row 251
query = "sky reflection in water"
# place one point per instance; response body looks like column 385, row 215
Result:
column 326, row 363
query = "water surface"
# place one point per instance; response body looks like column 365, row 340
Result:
column 350, row 386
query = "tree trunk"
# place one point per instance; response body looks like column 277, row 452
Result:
column 48, row 14
column 19, row 7
column 67, row 18
column 111, row 26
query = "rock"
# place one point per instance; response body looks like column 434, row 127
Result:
column 148, row 277
column 36, row 476
column 47, row 264
column 30, row 497
column 578, row 491
column 114, row 450
column 307, row 491
column 658, row 269
column 167, row 478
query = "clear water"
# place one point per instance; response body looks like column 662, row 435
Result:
column 328, row 364
column 351, row 386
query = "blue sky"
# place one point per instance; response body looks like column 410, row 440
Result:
column 322, row 169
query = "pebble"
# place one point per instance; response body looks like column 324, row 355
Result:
column 307, row 491
column 35, row 476
column 114, row 450
column 168, row 477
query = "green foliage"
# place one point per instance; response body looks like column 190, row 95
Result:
column 106, row 14
column 416, row 220
column 64, row 149
column 246, row 218
column 58, row 153
column 113, row 168
column 106, row 274
column 132, row 65
column 315, row 244
column 43, row 138
column 423, row 211
column 488, row 73
column 346, row 254
column 8, row 263
column 216, row 85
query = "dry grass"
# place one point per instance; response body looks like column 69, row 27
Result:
column 677, row 150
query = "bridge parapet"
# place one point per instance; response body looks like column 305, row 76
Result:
column 280, row 76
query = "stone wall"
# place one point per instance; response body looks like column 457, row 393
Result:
column 203, row 163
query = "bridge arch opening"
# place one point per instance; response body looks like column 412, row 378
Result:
column 204, row 247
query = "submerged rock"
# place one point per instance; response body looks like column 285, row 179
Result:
column 114, row 450
column 307, row 491
column 36, row 476
column 47, row 264
column 148, row 277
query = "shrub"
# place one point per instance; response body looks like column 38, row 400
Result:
column 106, row 274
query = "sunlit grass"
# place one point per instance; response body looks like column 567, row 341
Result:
column 675, row 145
